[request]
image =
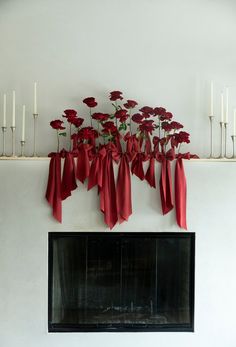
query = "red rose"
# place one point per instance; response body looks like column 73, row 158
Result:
column 109, row 127
column 159, row 111
column 101, row 117
column 85, row 133
column 124, row 118
column 137, row 118
column 166, row 116
column 121, row 113
column 166, row 126
column 181, row 137
column 116, row 95
column 90, row 102
column 70, row 113
column 57, row 124
column 130, row 104
column 146, row 110
column 176, row 125
column 147, row 126
column 77, row 122
column 70, row 118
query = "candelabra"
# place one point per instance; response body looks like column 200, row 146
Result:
column 22, row 144
column 211, row 118
column 35, row 115
column 4, row 129
column 221, row 140
column 233, row 137
column 225, row 144
column 13, row 130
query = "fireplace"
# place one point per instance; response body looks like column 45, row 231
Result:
column 121, row 281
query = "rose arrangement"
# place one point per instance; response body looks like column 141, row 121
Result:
column 129, row 135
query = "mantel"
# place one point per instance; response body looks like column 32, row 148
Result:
column 220, row 160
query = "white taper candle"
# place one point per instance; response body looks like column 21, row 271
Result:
column 13, row 108
column 234, row 122
column 35, row 98
column 212, row 99
column 227, row 106
column 4, row 110
column 23, row 124
column 222, row 107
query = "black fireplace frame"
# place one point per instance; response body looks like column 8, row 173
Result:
column 59, row 327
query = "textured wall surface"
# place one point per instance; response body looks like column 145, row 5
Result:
column 160, row 52
column 25, row 221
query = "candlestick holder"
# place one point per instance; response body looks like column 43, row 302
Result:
column 13, row 131
column 225, row 143
column 211, row 118
column 233, row 137
column 221, row 140
column 22, row 144
column 35, row 115
column 4, row 129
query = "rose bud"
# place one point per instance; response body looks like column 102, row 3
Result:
column 115, row 95
column 57, row 124
column 137, row 118
column 130, row 104
column 90, row 102
column 70, row 113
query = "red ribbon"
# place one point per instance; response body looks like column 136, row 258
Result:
column 150, row 174
column 108, row 191
column 123, row 190
column 53, row 192
column 180, row 194
column 96, row 169
column 165, row 182
column 83, row 165
column 68, row 177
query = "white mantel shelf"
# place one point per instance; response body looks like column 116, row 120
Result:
column 220, row 160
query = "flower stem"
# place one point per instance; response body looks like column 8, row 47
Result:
column 179, row 148
column 90, row 113
column 58, row 141
column 130, row 127
column 70, row 137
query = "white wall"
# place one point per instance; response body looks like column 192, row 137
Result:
column 159, row 52
column 25, row 221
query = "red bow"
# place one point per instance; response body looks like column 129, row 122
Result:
column 165, row 182
column 83, row 165
column 53, row 192
column 180, row 194
column 181, row 189
column 95, row 173
column 108, row 191
column 123, row 190
column 68, row 177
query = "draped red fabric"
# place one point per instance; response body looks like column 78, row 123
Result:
column 165, row 182
column 123, row 190
column 53, row 192
column 96, row 169
column 180, row 194
column 83, row 165
column 137, row 166
column 108, row 191
column 68, row 177
column 150, row 174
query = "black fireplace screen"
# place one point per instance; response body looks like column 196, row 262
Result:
column 121, row 281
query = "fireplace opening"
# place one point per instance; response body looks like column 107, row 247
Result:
column 121, row 281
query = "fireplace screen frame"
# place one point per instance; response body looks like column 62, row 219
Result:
column 62, row 327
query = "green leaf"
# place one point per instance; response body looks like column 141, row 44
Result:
column 123, row 126
column 62, row 134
